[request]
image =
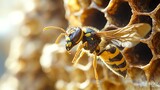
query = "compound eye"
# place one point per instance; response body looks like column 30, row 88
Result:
column 76, row 36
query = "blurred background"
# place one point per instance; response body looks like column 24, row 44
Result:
column 12, row 14
column 22, row 40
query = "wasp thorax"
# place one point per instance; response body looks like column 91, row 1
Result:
column 74, row 36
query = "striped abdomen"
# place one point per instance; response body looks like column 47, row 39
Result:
column 114, row 60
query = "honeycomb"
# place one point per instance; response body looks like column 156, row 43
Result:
column 39, row 64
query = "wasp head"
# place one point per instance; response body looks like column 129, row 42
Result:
column 73, row 37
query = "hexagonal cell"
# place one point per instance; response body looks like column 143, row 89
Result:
column 78, row 75
column 145, row 5
column 84, row 3
column 93, row 17
column 142, row 19
column 91, row 86
column 138, row 55
column 73, row 5
column 156, row 43
column 153, row 4
column 138, row 76
column 101, row 3
column 157, row 16
column 75, row 19
column 153, row 70
column 56, row 73
column 118, row 14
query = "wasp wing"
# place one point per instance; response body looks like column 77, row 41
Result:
column 127, row 36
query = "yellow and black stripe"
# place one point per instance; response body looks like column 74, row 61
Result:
column 114, row 60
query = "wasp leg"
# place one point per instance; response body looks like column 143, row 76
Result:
column 79, row 50
column 59, row 37
column 95, row 72
column 81, row 54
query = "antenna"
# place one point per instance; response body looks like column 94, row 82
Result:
column 53, row 27
column 60, row 36
column 58, row 28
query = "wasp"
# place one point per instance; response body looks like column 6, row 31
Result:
column 103, row 44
